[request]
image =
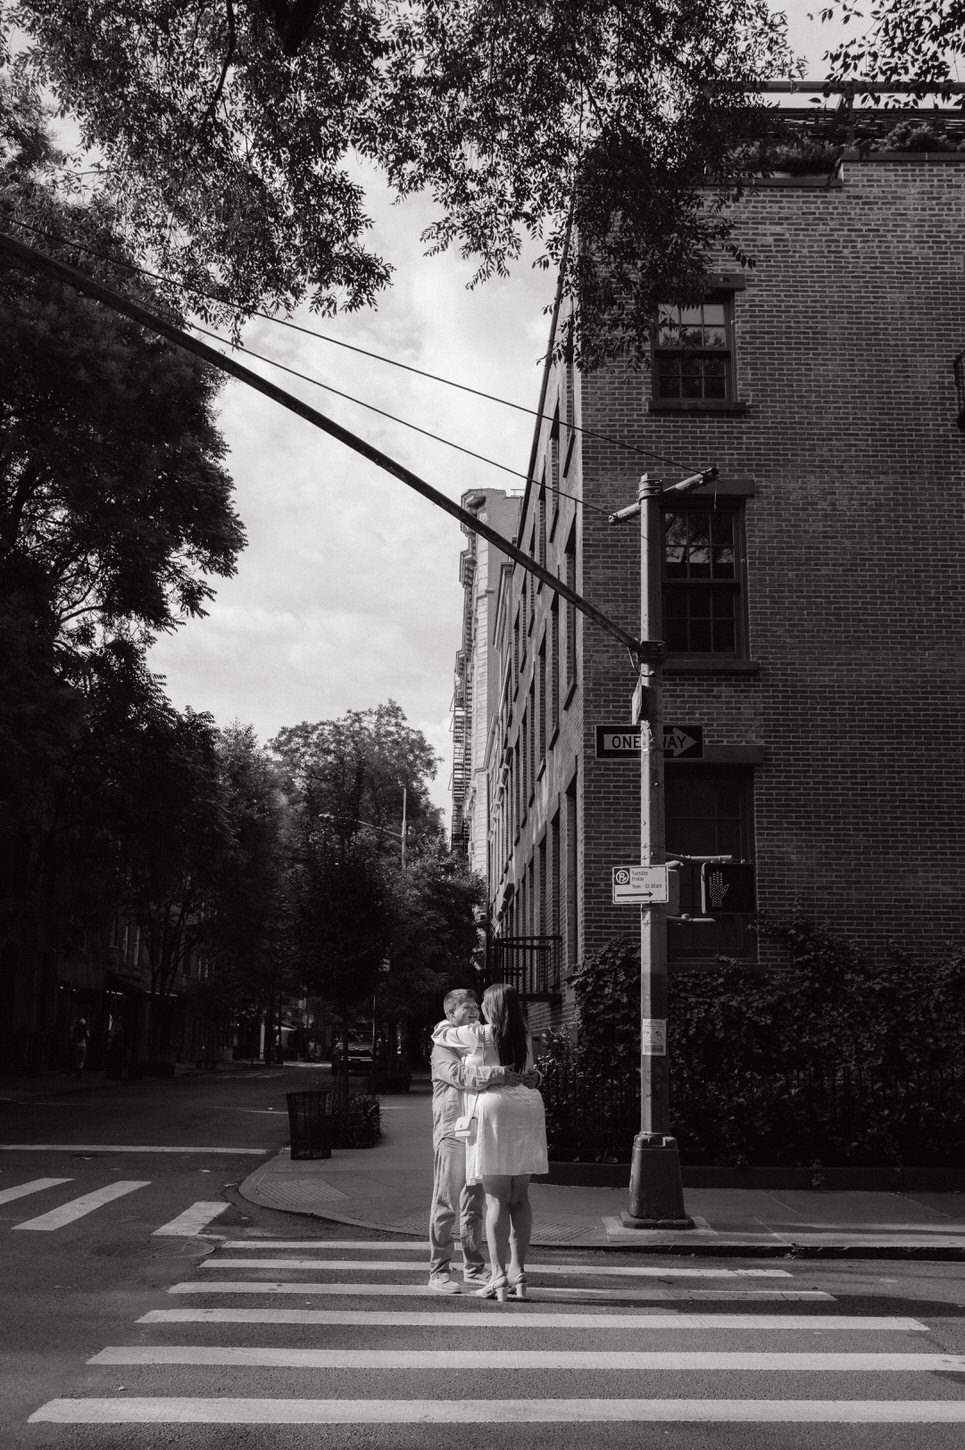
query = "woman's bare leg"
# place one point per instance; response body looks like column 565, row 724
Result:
column 521, row 1218
column 498, row 1190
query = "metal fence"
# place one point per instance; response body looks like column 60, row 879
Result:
column 833, row 1115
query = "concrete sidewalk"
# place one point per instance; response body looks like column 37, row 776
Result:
column 388, row 1188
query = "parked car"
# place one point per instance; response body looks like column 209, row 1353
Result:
column 359, row 1055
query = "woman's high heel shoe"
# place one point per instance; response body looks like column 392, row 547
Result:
column 517, row 1289
column 497, row 1288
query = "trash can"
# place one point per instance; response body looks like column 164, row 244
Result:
column 310, row 1125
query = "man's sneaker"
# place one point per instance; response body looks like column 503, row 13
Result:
column 443, row 1283
column 476, row 1275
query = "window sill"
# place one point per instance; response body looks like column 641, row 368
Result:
column 708, row 665
column 697, row 405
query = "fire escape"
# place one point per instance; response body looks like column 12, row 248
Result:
column 462, row 707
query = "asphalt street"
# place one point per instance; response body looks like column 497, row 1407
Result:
column 146, row 1304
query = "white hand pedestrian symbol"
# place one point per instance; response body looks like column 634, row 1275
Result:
column 718, row 888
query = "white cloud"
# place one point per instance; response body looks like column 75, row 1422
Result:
column 348, row 592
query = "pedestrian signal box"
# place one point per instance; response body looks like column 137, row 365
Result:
column 727, row 886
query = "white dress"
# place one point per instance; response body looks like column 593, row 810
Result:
column 510, row 1121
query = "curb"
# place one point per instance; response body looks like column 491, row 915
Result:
column 816, row 1179
column 703, row 1247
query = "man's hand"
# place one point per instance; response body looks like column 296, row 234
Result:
column 521, row 1079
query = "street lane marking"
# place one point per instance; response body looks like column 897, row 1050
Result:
column 7, row 1195
column 118, row 1148
column 442, row 1318
column 156, row 1411
column 472, row 1359
column 540, row 1294
column 656, row 1320
column 191, row 1221
column 78, row 1207
column 568, row 1270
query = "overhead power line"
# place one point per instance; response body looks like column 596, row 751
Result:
column 47, row 266
column 189, row 291
column 436, row 437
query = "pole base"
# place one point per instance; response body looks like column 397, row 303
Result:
column 656, row 1187
column 627, row 1220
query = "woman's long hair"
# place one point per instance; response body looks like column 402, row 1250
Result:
column 502, row 1010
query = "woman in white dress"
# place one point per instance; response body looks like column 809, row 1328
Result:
column 510, row 1137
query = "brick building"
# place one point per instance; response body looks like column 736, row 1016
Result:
column 813, row 597
column 476, row 682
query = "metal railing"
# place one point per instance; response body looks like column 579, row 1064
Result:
column 835, row 1115
column 531, row 964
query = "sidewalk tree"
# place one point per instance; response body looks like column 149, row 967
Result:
column 439, row 905
column 365, row 771
column 115, row 511
column 350, row 781
column 228, row 137
column 169, row 821
column 242, row 933
column 341, row 913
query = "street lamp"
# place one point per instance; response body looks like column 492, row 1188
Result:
column 656, row 1187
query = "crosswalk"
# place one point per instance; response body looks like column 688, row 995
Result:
column 188, row 1224
column 598, row 1342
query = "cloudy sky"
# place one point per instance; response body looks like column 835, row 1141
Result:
column 348, row 591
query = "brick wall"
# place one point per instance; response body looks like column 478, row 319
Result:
column 852, row 463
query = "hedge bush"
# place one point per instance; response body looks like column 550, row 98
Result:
column 833, row 1058
column 357, row 1123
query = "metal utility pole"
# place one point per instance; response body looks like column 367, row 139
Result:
column 656, row 1187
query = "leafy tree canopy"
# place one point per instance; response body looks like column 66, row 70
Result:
column 225, row 137
column 114, row 504
column 917, row 43
column 115, row 510
column 435, row 936
column 357, row 772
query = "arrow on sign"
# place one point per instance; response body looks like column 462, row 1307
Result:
column 678, row 742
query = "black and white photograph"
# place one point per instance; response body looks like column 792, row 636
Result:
column 482, row 724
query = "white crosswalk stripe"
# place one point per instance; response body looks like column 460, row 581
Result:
column 36, row 1185
column 651, row 1303
column 188, row 1224
column 523, row 1359
column 78, row 1207
column 544, row 1293
column 224, row 1411
column 381, row 1266
column 192, row 1221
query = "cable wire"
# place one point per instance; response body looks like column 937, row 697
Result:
column 185, row 288
column 436, row 437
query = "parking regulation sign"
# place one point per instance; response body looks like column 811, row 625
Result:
column 640, row 885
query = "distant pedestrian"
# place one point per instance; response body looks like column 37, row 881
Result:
column 78, row 1040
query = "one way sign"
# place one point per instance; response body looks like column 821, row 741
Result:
column 622, row 742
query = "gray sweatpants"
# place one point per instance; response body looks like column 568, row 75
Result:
column 454, row 1203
